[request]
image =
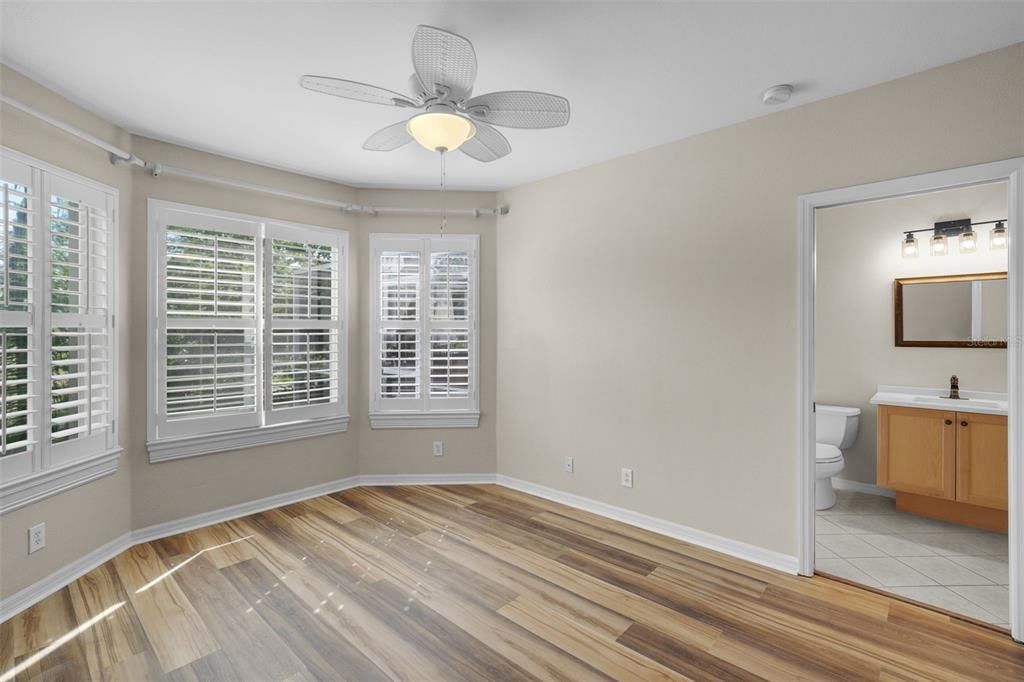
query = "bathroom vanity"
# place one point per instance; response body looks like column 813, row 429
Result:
column 945, row 459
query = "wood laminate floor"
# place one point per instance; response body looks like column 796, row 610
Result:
column 478, row 583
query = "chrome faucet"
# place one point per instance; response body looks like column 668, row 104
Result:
column 954, row 388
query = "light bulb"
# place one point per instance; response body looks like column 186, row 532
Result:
column 968, row 242
column 909, row 246
column 938, row 245
column 998, row 237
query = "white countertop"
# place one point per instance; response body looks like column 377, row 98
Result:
column 981, row 402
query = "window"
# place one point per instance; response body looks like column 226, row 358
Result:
column 57, row 290
column 424, row 336
column 247, row 337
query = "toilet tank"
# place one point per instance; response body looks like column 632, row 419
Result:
column 836, row 425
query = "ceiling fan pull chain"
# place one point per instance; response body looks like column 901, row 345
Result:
column 444, row 207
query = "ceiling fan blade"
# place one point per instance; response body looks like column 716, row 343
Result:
column 487, row 145
column 519, row 109
column 357, row 91
column 444, row 59
column 387, row 139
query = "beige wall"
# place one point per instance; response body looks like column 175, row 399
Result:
column 84, row 518
column 648, row 305
column 858, row 257
column 408, row 451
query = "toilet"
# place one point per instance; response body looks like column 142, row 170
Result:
column 835, row 431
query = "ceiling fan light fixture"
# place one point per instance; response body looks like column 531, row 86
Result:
column 440, row 131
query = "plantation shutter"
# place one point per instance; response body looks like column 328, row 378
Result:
column 81, row 360
column 249, row 322
column 303, row 331
column 57, row 360
column 425, row 323
column 451, row 323
column 19, row 263
column 398, row 362
column 207, row 323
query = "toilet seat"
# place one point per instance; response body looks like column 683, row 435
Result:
column 824, row 453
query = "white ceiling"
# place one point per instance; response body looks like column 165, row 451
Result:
column 223, row 76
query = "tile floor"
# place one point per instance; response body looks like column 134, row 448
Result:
column 863, row 538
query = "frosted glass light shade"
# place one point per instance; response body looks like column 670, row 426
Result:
column 938, row 245
column 997, row 238
column 439, row 131
column 909, row 246
column 968, row 242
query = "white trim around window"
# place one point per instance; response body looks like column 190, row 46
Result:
column 58, row 344
column 424, row 335
column 247, row 337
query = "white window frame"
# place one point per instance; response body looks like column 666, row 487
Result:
column 189, row 438
column 47, row 468
column 425, row 411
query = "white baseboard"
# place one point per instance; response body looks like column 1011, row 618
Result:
column 426, row 479
column 857, row 486
column 19, row 601
column 41, row 589
column 740, row 550
column 235, row 511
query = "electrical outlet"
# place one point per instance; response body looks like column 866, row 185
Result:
column 36, row 538
column 627, row 478
column 438, row 448
column 568, row 465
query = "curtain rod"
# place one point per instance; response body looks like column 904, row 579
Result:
column 118, row 155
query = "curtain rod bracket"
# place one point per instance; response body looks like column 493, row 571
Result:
column 116, row 159
column 154, row 168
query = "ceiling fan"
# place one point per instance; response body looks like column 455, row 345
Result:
column 442, row 85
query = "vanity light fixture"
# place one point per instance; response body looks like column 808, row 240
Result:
column 997, row 238
column 962, row 229
column 910, row 246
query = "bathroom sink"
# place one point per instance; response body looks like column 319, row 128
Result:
column 980, row 402
column 947, row 402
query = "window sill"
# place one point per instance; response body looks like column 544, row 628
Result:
column 25, row 490
column 208, row 443
column 424, row 420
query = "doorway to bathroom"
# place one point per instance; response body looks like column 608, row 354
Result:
column 911, row 477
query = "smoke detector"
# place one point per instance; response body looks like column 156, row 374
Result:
column 777, row 94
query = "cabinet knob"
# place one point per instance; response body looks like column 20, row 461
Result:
column 963, row 423
column 949, row 422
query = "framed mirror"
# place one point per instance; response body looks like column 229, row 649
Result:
column 951, row 311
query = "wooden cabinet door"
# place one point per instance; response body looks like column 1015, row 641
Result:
column 917, row 451
column 981, row 460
